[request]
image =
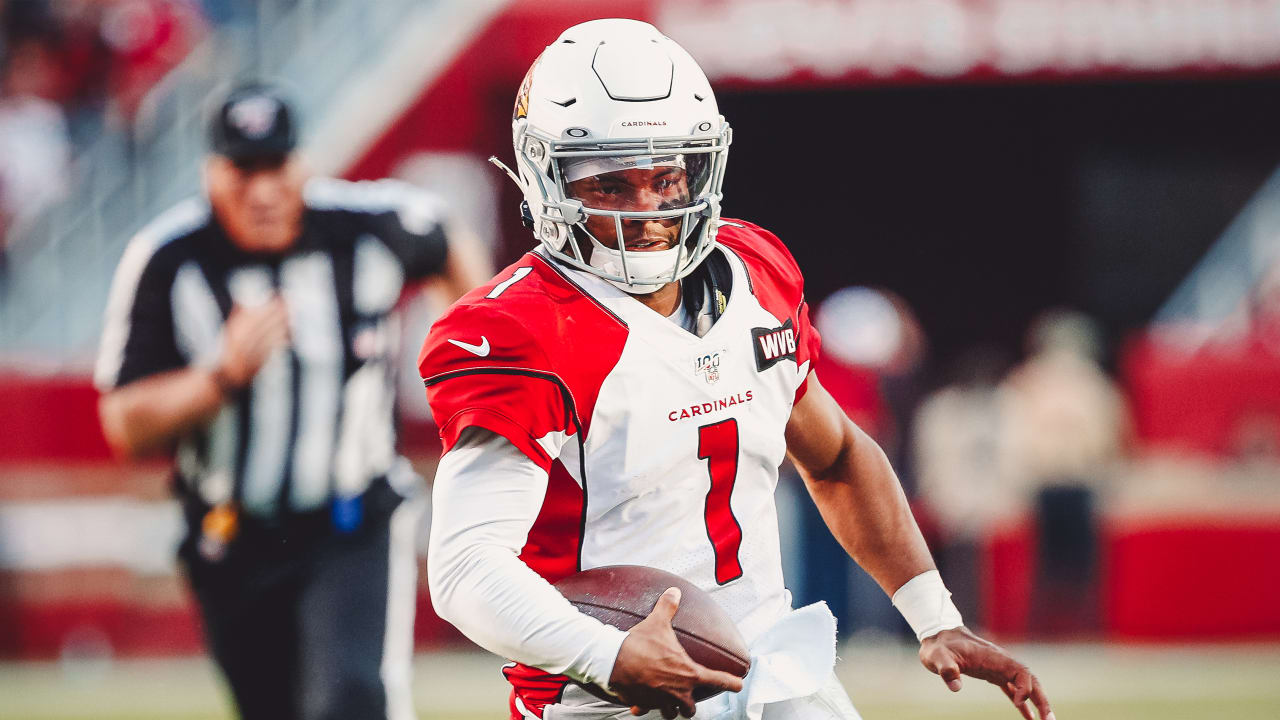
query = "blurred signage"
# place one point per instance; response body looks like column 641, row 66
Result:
column 776, row 40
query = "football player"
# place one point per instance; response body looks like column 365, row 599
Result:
column 625, row 393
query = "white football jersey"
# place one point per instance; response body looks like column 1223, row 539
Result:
column 662, row 447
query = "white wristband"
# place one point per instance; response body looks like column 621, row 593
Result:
column 926, row 604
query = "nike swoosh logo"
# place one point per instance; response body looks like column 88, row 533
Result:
column 482, row 349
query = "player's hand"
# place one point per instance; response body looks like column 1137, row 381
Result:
column 952, row 653
column 248, row 339
column 652, row 671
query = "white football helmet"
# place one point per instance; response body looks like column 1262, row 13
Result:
column 611, row 96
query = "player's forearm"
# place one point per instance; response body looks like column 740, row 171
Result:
column 506, row 608
column 486, row 497
column 863, row 504
column 147, row 414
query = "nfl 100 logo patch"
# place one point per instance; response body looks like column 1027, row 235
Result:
column 708, row 366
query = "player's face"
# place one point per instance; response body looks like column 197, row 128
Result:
column 634, row 190
column 258, row 203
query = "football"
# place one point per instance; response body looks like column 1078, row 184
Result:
column 623, row 595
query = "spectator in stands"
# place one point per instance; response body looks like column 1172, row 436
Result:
column 62, row 66
column 875, row 330
column 103, row 56
column 963, row 454
column 1067, row 425
column 34, row 148
column 1071, row 418
column 148, row 38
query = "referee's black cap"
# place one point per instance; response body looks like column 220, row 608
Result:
column 254, row 122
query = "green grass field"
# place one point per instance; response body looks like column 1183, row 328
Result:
column 1086, row 682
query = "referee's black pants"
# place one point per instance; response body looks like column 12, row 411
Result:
column 310, row 623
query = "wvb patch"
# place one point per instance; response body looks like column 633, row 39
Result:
column 774, row 344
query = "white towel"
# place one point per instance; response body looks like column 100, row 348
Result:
column 794, row 658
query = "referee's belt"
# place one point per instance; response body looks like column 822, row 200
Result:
column 233, row 526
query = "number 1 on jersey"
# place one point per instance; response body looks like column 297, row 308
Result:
column 516, row 277
column 718, row 445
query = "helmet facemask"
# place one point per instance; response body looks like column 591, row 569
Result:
column 602, row 201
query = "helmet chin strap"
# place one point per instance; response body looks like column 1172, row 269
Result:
column 643, row 265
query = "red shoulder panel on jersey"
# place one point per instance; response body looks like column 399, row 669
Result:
column 777, row 283
column 522, row 356
column 481, row 369
column 552, row 551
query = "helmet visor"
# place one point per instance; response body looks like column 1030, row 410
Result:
column 638, row 183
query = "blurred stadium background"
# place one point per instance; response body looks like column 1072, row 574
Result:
column 1045, row 235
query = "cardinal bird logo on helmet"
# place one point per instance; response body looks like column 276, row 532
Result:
column 521, row 109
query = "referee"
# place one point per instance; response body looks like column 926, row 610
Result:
column 252, row 332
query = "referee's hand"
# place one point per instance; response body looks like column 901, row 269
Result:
column 249, row 337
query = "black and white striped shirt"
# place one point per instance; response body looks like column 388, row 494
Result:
column 317, row 420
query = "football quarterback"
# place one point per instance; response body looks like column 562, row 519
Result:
column 625, row 394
